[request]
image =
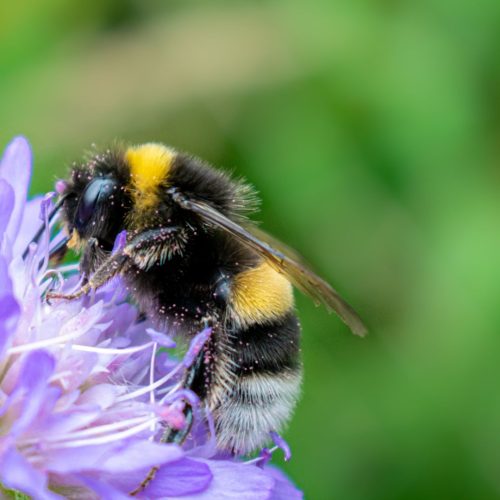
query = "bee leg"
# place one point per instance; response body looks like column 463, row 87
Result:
column 177, row 436
column 107, row 270
column 156, row 246
column 92, row 255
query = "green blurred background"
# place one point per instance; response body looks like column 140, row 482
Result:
column 371, row 130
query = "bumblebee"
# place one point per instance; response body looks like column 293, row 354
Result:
column 192, row 258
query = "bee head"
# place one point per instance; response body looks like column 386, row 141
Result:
column 95, row 201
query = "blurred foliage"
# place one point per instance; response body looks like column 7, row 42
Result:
column 371, row 129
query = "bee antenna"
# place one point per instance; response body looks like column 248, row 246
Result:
column 40, row 231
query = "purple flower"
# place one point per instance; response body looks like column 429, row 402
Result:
column 85, row 388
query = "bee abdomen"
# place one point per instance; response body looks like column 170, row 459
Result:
column 266, row 386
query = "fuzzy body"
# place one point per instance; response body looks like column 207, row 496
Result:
column 181, row 271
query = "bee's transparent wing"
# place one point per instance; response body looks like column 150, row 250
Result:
column 284, row 260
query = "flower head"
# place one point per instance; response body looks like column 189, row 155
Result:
column 86, row 386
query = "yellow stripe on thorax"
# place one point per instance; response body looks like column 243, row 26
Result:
column 149, row 168
column 260, row 294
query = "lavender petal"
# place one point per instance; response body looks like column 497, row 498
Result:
column 33, row 380
column 18, row 474
column 161, row 338
column 179, row 478
column 195, row 346
column 235, row 480
column 6, row 205
column 279, row 441
column 125, row 457
column 15, row 168
column 9, row 307
column 185, row 477
column 102, row 488
column 120, row 242
column 283, row 487
column 30, row 223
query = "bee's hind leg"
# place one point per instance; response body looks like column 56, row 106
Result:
column 177, row 436
column 194, row 380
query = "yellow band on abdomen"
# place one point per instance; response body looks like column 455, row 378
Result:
column 260, row 294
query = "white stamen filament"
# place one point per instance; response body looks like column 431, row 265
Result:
column 151, row 382
column 259, row 459
column 108, row 438
column 45, row 343
column 93, row 431
column 152, row 374
column 60, row 377
column 111, row 350
column 148, row 388
column 168, row 391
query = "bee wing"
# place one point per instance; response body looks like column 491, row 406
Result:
column 283, row 259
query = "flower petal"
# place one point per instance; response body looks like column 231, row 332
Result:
column 9, row 315
column 283, row 489
column 195, row 346
column 9, row 307
column 6, row 205
column 141, row 454
column 18, row 474
column 15, row 168
column 183, row 477
column 124, row 457
column 161, row 338
column 37, row 368
column 103, row 489
column 235, row 480
column 120, row 242
column 30, row 224
column 281, row 443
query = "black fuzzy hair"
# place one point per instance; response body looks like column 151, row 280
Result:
column 195, row 178
column 107, row 164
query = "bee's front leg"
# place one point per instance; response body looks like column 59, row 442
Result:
column 107, row 270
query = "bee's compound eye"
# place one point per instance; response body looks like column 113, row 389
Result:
column 96, row 192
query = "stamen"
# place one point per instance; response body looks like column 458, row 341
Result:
column 195, row 346
column 120, row 242
column 93, row 431
column 111, row 350
column 151, row 373
column 184, row 394
column 148, row 388
column 40, row 231
column 151, row 382
column 44, row 213
column 45, row 343
column 117, row 436
column 263, row 458
column 281, row 443
column 61, row 185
